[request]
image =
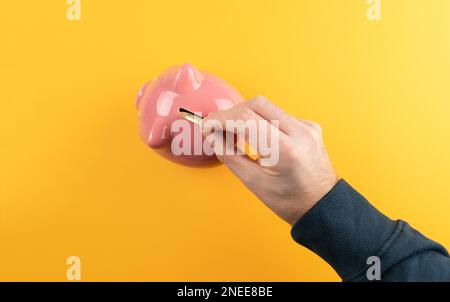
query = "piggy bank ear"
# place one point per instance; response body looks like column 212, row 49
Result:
column 187, row 79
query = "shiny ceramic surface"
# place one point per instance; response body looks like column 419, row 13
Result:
column 159, row 101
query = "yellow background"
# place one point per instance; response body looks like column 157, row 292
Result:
column 75, row 179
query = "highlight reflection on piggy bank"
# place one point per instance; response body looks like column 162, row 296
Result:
column 158, row 105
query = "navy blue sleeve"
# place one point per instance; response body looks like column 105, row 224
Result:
column 344, row 229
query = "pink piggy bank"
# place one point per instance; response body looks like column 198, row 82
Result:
column 159, row 102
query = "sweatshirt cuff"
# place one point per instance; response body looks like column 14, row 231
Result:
column 344, row 229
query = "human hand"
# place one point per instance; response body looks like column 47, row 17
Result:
column 303, row 173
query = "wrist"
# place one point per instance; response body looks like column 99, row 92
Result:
column 344, row 229
column 309, row 200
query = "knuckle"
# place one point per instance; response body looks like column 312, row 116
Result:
column 289, row 151
column 292, row 155
column 306, row 134
column 291, row 123
column 258, row 101
column 317, row 127
column 245, row 114
column 310, row 130
column 311, row 133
